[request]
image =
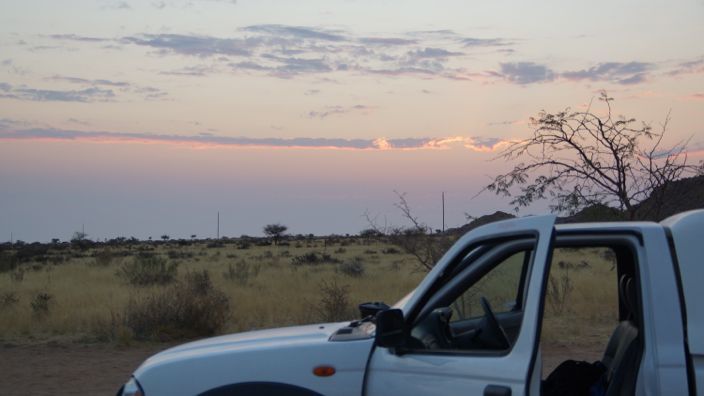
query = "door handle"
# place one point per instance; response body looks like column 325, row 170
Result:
column 497, row 390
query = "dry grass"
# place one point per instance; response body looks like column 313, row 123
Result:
column 88, row 298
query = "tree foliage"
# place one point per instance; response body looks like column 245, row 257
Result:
column 582, row 158
column 275, row 231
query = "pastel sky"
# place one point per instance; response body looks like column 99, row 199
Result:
column 144, row 118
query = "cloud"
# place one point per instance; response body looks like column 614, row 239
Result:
column 432, row 53
column 205, row 140
column 616, row 72
column 481, row 42
column 12, row 68
column 147, row 93
column 194, row 71
column 287, row 51
column 526, row 72
column 23, row 92
column 624, row 73
column 78, row 80
column 116, row 5
column 202, row 46
column 338, row 110
column 695, row 66
column 387, row 41
column 75, row 37
column 300, row 32
column 97, row 90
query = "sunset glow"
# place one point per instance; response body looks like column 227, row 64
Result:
column 143, row 118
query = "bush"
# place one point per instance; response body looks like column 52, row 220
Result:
column 17, row 275
column 103, row 258
column 313, row 258
column 189, row 309
column 8, row 261
column 241, row 272
column 334, row 303
column 353, row 268
column 8, row 299
column 148, row 269
column 40, row 303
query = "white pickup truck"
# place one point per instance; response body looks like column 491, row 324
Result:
column 430, row 343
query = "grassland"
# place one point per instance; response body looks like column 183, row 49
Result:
column 86, row 299
column 76, row 293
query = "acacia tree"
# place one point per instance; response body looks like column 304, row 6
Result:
column 417, row 239
column 579, row 159
column 275, row 231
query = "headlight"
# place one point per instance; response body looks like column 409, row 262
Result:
column 131, row 388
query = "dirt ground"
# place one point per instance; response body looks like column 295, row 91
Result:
column 100, row 369
column 70, row 369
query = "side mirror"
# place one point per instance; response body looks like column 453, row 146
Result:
column 391, row 331
column 371, row 308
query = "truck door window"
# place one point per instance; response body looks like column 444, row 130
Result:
column 481, row 307
column 500, row 287
column 581, row 305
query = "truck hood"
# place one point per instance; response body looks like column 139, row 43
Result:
column 285, row 355
column 270, row 338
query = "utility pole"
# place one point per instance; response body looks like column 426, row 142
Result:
column 218, row 225
column 443, row 211
column 11, row 238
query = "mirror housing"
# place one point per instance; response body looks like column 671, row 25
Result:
column 371, row 308
column 391, row 330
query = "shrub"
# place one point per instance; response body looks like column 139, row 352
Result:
column 313, row 258
column 334, row 305
column 189, row 309
column 559, row 290
column 391, row 250
column 17, row 275
column 103, row 258
column 8, row 299
column 241, row 272
column 148, row 269
column 8, row 261
column 40, row 303
column 353, row 268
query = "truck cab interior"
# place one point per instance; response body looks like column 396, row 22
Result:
column 591, row 310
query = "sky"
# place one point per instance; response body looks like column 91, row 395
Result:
column 146, row 118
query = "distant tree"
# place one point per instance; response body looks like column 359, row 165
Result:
column 79, row 236
column 417, row 239
column 275, row 231
column 193, row 236
column 165, row 237
column 579, row 159
column 55, row 241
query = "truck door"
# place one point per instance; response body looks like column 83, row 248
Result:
column 473, row 323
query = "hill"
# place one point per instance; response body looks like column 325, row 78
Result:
column 678, row 196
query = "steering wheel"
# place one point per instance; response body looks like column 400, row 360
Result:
column 433, row 332
column 492, row 335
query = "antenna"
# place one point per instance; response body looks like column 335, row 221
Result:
column 443, row 211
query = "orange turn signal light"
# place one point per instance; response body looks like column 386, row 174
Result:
column 324, row 371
